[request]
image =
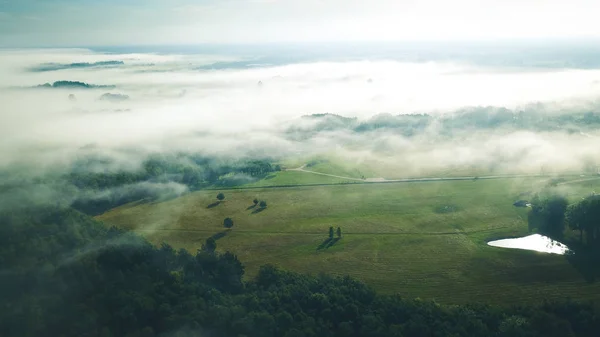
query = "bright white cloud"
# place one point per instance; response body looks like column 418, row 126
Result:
column 174, row 106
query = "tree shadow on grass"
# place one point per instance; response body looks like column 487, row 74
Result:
column 587, row 266
column 251, row 207
column 258, row 210
column 328, row 243
column 586, row 261
column 214, row 204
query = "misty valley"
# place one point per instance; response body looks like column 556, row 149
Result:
column 237, row 191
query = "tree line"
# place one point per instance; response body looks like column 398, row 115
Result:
column 552, row 215
column 100, row 190
column 64, row 274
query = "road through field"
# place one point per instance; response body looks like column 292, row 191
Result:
column 383, row 180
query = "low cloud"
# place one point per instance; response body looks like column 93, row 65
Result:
column 177, row 103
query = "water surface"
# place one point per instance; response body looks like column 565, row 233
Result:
column 535, row 242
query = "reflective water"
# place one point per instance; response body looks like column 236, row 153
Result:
column 535, row 242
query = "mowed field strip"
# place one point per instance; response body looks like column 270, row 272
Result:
column 421, row 239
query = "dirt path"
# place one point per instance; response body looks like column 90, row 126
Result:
column 301, row 169
column 383, row 180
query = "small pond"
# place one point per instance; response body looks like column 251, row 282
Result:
column 535, row 242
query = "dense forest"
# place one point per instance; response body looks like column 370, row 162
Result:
column 471, row 119
column 64, row 274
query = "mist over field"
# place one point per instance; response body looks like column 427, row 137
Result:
column 514, row 118
column 285, row 168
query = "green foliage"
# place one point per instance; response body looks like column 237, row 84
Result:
column 472, row 118
column 228, row 222
column 390, row 227
column 70, row 276
column 100, row 187
column 210, row 245
column 220, row 196
column 339, row 232
column 255, row 201
column 547, row 215
column 584, row 216
column 263, row 204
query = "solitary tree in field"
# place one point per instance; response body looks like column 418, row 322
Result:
column 255, row 201
column 220, row 196
column 331, row 233
column 228, row 222
column 263, row 204
column 339, row 232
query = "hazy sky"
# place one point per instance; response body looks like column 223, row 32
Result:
column 124, row 22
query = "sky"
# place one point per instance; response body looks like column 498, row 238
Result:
column 29, row 23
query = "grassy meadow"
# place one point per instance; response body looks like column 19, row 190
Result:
column 418, row 239
column 287, row 178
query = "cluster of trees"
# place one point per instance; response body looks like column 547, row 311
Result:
column 552, row 215
column 64, row 274
column 101, row 188
column 228, row 222
column 547, row 215
column 331, row 233
column 531, row 118
column 74, row 85
column 261, row 203
column 584, row 217
column 58, row 66
column 113, row 97
column 258, row 168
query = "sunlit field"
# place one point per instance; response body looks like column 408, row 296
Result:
column 420, row 239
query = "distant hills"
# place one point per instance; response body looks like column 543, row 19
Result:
column 60, row 66
column 73, row 85
column 467, row 119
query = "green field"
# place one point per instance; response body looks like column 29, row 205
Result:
column 390, row 169
column 418, row 239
